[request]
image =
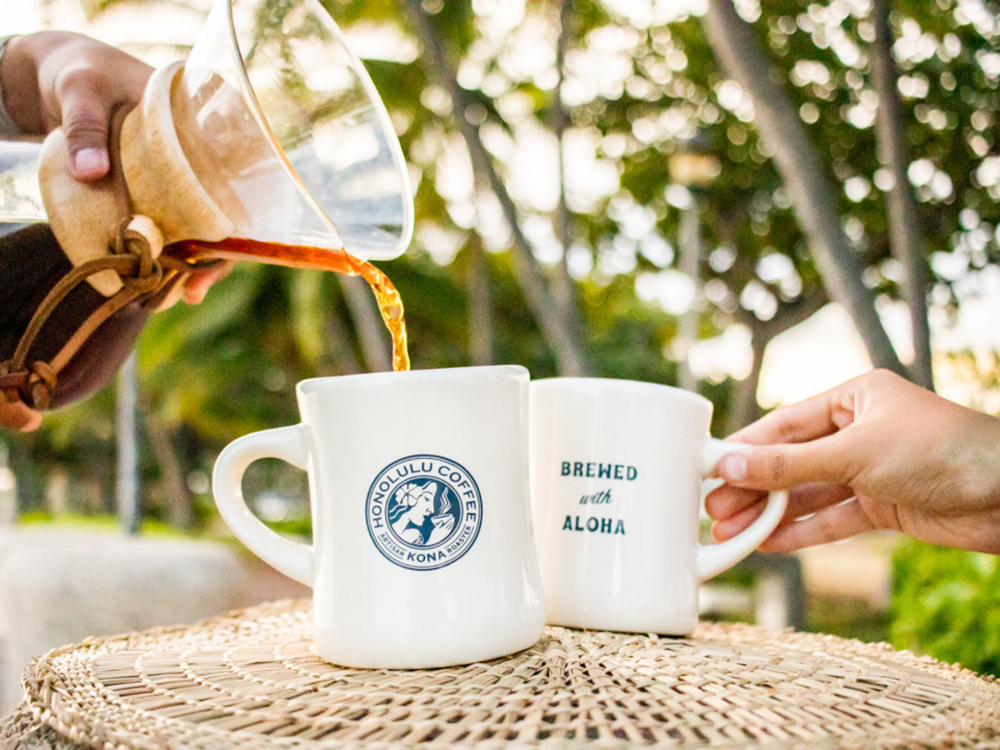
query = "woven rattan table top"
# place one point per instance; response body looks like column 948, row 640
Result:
column 250, row 680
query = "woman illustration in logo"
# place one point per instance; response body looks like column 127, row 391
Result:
column 412, row 519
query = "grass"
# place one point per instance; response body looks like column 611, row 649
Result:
column 104, row 523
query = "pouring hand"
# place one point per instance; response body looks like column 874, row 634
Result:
column 874, row 453
column 56, row 78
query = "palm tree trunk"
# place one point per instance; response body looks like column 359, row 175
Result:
column 563, row 288
column 338, row 342
column 739, row 52
column 480, row 305
column 127, row 439
column 689, row 239
column 179, row 511
column 376, row 347
column 905, row 236
column 744, row 408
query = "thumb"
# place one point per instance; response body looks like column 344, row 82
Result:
column 85, row 125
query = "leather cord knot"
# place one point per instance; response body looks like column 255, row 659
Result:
column 10, row 382
column 133, row 242
column 41, row 382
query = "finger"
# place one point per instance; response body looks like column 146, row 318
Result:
column 775, row 467
column 727, row 501
column 18, row 416
column 727, row 528
column 198, row 283
column 813, row 418
column 813, row 497
column 747, row 505
column 828, row 525
column 85, row 120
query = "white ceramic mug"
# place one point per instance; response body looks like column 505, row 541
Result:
column 617, row 468
column 422, row 551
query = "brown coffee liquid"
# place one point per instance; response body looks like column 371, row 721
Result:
column 390, row 305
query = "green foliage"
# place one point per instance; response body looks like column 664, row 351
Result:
column 628, row 337
column 946, row 603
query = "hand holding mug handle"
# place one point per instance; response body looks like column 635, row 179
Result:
column 714, row 558
column 288, row 444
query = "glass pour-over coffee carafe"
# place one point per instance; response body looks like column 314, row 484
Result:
column 268, row 143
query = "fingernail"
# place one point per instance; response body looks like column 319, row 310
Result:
column 91, row 162
column 733, row 467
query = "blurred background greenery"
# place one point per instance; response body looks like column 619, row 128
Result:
column 647, row 189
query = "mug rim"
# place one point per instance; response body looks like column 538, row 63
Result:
column 445, row 373
column 620, row 385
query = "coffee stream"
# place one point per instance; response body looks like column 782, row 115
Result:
column 390, row 304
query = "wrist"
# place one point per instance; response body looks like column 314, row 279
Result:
column 19, row 85
column 8, row 128
column 981, row 462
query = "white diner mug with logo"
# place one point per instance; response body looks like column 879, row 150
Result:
column 422, row 552
column 616, row 470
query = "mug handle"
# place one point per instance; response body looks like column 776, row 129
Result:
column 293, row 559
column 714, row 558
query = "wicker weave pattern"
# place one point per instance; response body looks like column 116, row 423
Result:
column 250, row 680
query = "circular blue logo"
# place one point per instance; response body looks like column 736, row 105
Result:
column 424, row 512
